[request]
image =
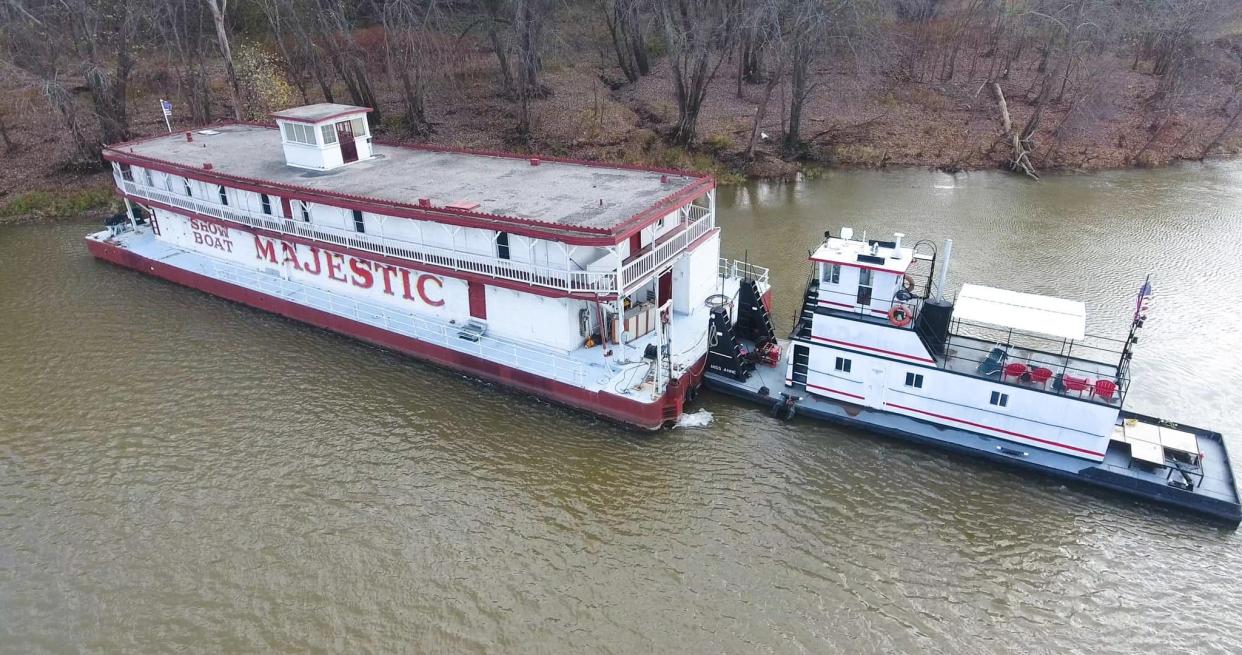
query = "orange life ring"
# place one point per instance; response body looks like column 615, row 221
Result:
column 900, row 315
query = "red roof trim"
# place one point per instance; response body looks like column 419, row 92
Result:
column 339, row 114
column 373, row 256
column 857, row 265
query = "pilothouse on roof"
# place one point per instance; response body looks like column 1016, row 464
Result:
column 324, row 136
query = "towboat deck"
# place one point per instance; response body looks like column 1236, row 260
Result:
column 970, row 356
column 1147, row 457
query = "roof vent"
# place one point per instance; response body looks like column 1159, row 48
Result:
column 534, row 161
column 207, row 166
column 464, row 205
column 189, row 137
column 424, row 202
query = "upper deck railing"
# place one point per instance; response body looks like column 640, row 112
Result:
column 696, row 221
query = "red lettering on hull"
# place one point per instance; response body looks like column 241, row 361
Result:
column 355, row 271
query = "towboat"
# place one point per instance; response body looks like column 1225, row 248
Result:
column 582, row 283
column 1006, row 375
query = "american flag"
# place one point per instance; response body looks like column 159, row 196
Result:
column 1144, row 300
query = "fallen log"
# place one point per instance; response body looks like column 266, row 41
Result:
column 1021, row 155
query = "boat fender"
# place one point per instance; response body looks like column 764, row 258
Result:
column 900, row 315
column 783, row 409
column 908, row 283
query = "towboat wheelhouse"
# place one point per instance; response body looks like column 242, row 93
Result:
column 582, row 283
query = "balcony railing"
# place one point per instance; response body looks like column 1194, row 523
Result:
column 574, row 281
column 698, row 220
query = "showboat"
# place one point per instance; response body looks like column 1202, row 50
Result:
column 581, row 283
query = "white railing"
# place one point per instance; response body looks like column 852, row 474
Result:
column 547, row 363
column 635, row 270
column 697, row 220
column 733, row 268
column 545, row 276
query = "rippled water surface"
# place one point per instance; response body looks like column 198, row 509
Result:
column 181, row 474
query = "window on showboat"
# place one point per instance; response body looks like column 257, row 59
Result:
column 127, row 173
column 185, row 183
column 146, row 174
column 224, row 196
column 329, row 133
column 359, row 126
column 502, row 245
column 266, row 202
column 305, row 210
column 359, row 225
column 864, row 286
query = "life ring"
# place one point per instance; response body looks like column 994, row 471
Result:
column 900, row 315
column 908, row 283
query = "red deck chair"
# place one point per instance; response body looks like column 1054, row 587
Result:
column 1105, row 389
column 1014, row 369
column 1075, row 384
column 1040, row 376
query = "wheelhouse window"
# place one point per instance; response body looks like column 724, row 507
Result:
column 305, row 211
column 360, row 226
column 999, row 399
column 842, row 364
column 832, row 273
column 299, row 133
column 329, row 133
column 359, row 126
column 266, row 203
column 502, row 245
column 864, row 286
column 224, row 196
column 914, row 380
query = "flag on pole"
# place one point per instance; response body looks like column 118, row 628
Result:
column 1143, row 304
column 166, row 107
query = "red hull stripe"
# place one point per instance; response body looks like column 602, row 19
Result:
column 843, row 393
column 644, row 415
column 1000, row 430
column 878, row 350
column 836, row 304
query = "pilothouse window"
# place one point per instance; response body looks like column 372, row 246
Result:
column 832, row 273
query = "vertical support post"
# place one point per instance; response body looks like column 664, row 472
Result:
column 129, row 212
column 711, row 208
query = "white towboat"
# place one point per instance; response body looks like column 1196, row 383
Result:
column 1007, row 375
column 578, row 282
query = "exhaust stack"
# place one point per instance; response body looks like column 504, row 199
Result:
column 944, row 270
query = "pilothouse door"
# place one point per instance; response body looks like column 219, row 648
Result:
column 345, row 137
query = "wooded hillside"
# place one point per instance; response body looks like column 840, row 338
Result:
column 755, row 86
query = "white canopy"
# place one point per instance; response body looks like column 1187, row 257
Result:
column 1053, row 317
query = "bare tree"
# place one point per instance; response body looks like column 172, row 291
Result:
column 219, row 9
column 625, row 28
column 411, row 49
column 698, row 34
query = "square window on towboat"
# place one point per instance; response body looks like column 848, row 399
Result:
column 843, row 365
column 999, row 399
column 914, row 380
column 832, row 273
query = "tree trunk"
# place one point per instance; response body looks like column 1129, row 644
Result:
column 4, row 134
column 218, row 9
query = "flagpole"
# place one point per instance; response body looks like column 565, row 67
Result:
column 166, row 110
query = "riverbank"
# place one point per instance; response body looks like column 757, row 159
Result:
column 850, row 121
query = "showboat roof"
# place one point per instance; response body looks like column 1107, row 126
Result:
column 524, row 189
column 1026, row 312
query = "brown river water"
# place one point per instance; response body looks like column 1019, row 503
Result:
column 182, row 474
